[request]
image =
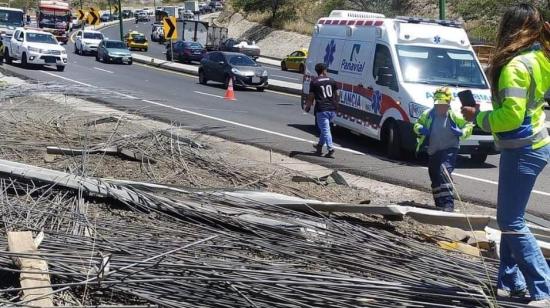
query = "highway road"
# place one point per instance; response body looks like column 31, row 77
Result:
column 269, row 120
column 157, row 50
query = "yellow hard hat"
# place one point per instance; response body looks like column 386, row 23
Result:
column 443, row 96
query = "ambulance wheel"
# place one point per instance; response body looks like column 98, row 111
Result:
column 479, row 158
column 392, row 140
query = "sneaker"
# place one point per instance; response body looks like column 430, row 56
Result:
column 318, row 149
column 512, row 294
column 330, row 153
column 545, row 303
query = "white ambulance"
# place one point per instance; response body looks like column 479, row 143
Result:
column 387, row 71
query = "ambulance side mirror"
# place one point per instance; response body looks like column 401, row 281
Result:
column 385, row 77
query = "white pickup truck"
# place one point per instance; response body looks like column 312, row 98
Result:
column 34, row 47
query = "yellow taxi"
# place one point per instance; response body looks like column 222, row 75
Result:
column 136, row 40
column 295, row 61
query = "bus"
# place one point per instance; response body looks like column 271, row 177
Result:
column 55, row 17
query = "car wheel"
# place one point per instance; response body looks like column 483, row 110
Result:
column 7, row 56
column 479, row 158
column 24, row 62
column 283, row 66
column 60, row 68
column 130, row 62
column 393, row 140
column 75, row 49
column 260, row 89
column 202, row 78
column 97, row 57
column 302, row 69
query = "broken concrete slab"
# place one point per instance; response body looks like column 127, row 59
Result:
column 112, row 150
column 104, row 120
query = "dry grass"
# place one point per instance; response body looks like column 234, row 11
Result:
column 259, row 17
column 299, row 26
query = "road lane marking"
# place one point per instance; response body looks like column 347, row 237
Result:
column 280, row 76
column 538, row 192
column 273, row 132
column 87, row 84
column 199, row 108
column 100, row 69
column 208, row 94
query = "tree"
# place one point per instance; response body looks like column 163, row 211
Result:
column 272, row 6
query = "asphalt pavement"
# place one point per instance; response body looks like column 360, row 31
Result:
column 157, row 50
column 269, row 120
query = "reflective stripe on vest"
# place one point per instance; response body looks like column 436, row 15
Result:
column 530, row 109
column 522, row 142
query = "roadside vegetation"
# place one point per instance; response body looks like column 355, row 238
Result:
column 480, row 16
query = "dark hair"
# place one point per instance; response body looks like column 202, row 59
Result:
column 521, row 26
column 320, row 68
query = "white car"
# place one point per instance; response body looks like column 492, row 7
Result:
column 87, row 41
column 35, row 47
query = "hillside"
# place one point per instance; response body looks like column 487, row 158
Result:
column 480, row 17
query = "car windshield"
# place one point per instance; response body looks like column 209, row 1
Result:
column 138, row 37
column 440, row 66
column 241, row 60
column 11, row 18
column 193, row 45
column 54, row 16
column 41, row 38
column 115, row 45
column 93, row 36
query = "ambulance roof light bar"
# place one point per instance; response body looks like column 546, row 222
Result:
column 354, row 14
column 418, row 20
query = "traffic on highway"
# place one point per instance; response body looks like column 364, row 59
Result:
column 386, row 70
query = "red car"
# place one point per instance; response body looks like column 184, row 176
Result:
column 186, row 52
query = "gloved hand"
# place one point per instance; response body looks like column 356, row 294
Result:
column 456, row 131
column 424, row 131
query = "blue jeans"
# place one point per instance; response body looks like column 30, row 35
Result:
column 442, row 188
column 323, row 121
column 521, row 261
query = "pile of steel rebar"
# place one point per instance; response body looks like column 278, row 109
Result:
column 175, row 248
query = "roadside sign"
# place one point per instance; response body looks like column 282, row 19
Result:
column 93, row 17
column 81, row 15
column 116, row 9
column 169, row 27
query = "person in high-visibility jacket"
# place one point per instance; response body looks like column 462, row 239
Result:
column 439, row 132
column 520, row 75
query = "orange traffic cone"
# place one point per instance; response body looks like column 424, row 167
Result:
column 230, row 93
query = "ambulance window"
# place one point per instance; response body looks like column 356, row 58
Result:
column 382, row 58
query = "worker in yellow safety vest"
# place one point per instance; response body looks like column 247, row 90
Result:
column 520, row 76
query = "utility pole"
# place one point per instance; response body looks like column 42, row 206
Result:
column 110, row 10
column 442, row 4
column 120, row 20
column 81, row 4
